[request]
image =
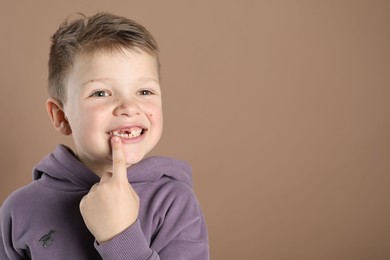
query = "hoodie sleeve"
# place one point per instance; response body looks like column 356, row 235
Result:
column 182, row 234
column 130, row 244
column 7, row 248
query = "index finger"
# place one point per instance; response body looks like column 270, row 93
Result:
column 118, row 160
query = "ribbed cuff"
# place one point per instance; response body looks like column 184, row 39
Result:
column 130, row 244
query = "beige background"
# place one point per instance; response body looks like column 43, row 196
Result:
column 281, row 107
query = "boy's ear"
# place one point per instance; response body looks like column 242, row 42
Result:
column 56, row 113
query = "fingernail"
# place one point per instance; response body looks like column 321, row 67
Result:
column 115, row 139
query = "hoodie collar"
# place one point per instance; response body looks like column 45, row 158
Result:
column 63, row 170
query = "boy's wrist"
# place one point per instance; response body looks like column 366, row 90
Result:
column 129, row 244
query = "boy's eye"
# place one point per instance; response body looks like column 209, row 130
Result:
column 145, row 92
column 100, row 94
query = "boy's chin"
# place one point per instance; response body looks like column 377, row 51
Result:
column 133, row 158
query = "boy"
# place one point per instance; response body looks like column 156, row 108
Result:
column 104, row 200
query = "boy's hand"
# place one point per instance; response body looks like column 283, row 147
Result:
column 111, row 205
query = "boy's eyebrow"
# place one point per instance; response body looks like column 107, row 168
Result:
column 142, row 80
column 146, row 79
column 94, row 80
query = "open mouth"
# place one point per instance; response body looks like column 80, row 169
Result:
column 132, row 132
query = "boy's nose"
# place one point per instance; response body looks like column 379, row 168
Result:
column 127, row 109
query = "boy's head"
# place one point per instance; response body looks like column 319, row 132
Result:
column 104, row 81
column 99, row 32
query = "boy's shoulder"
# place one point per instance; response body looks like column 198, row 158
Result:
column 22, row 199
column 164, row 179
column 155, row 168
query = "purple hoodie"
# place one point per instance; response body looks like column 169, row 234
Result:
column 42, row 220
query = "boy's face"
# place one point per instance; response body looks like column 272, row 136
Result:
column 114, row 93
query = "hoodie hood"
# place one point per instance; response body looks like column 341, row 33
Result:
column 62, row 170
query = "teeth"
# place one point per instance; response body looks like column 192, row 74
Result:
column 132, row 133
